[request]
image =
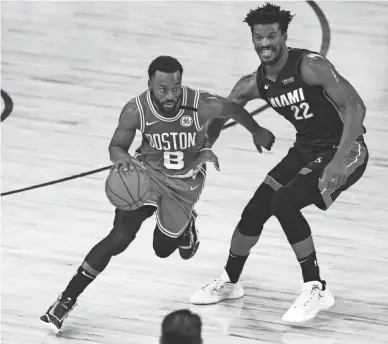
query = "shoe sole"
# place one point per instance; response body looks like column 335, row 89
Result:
column 312, row 315
column 230, row 297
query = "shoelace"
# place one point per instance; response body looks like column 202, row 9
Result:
column 217, row 285
column 61, row 308
column 305, row 296
column 189, row 235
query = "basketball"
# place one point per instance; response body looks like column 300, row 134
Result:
column 128, row 190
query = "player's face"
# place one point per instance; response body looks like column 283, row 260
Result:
column 269, row 42
column 166, row 90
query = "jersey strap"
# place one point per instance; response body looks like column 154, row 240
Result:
column 141, row 113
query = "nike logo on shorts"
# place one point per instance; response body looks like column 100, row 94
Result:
column 193, row 188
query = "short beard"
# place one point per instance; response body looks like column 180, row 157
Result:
column 160, row 105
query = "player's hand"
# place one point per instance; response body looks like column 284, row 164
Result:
column 263, row 138
column 334, row 175
column 206, row 155
column 128, row 163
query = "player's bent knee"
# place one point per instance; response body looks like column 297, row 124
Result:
column 120, row 241
column 164, row 245
column 163, row 252
column 257, row 211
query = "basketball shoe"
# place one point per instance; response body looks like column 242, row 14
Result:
column 220, row 289
column 313, row 297
column 190, row 239
column 58, row 312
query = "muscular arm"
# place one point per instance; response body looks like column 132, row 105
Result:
column 244, row 91
column 318, row 71
column 125, row 132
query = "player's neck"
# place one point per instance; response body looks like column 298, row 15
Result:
column 272, row 71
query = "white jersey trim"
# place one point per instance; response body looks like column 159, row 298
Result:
column 166, row 119
column 196, row 119
column 142, row 117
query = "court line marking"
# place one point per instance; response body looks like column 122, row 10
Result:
column 8, row 105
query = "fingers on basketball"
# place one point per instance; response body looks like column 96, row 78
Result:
column 128, row 190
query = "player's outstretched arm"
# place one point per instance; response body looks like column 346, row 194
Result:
column 244, row 91
column 317, row 71
column 124, row 135
column 211, row 106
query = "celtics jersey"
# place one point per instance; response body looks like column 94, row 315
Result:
column 170, row 145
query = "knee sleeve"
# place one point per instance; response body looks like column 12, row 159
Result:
column 119, row 241
column 286, row 205
column 113, row 244
column 257, row 211
column 297, row 194
column 241, row 244
column 163, row 245
column 125, row 227
column 282, row 202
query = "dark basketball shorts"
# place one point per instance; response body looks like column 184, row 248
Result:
column 175, row 199
column 300, row 162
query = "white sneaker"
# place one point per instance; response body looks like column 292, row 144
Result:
column 311, row 300
column 220, row 289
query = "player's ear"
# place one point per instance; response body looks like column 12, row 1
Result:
column 285, row 36
column 149, row 84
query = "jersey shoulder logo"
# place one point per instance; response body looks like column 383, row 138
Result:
column 186, row 121
column 288, row 81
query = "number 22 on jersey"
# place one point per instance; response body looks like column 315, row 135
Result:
column 301, row 111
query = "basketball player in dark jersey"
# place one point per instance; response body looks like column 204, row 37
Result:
column 172, row 119
column 328, row 156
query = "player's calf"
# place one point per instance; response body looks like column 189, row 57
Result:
column 190, row 239
column 58, row 312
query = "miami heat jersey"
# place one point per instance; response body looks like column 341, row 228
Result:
column 170, row 145
column 315, row 118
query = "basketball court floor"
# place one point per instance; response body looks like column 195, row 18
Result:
column 69, row 67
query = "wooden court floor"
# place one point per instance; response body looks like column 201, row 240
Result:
column 69, row 67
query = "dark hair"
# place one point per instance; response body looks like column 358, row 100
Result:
column 181, row 327
column 166, row 64
column 269, row 14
